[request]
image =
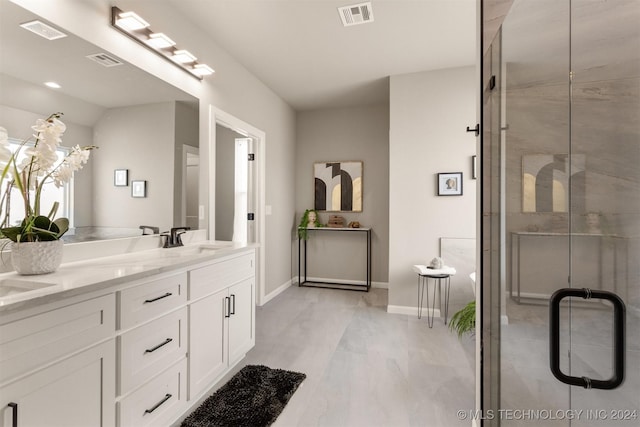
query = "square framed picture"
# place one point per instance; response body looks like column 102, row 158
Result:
column 121, row 177
column 337, row 186
column 450, row 184
column 139, row 188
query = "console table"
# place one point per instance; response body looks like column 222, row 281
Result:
column 302, row 259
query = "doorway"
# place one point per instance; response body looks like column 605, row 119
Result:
column 232, row 139
column 561, row 211
column 235, row 196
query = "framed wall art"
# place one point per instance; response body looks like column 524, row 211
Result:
column 121, row 177
column 338, row 186
column 139, row 188
column 450, row 184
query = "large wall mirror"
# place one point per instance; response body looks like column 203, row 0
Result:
column 141, row 124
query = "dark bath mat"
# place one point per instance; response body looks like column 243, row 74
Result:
column 255, row 397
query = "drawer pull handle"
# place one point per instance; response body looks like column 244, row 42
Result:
column 14, row 414
column 151, row 350
column 168, row 294
column 233, row 304
column 157, row 405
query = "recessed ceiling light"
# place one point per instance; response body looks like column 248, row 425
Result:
column 183, row 57
column 159, row 41
column 52, row 85
column 131, row 21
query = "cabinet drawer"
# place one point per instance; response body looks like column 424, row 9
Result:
column 149, row 300
column 30, row 343
column 159, row 402
column 151, row 348
column 207, row 280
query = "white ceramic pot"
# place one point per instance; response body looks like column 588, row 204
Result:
column 36, row 257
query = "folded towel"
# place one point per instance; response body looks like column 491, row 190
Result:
column 423, row 270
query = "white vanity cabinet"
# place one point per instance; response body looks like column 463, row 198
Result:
column 137, row 352
column 221, row 318
column 58, row 367
column 152, row 349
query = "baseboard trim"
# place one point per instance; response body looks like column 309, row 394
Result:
column 411, row 311
column 280, row 289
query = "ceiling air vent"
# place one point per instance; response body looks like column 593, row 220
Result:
column 356, row 14
column 43, row 30
column 105, row 60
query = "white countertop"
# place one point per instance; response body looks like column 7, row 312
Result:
column 75, row 278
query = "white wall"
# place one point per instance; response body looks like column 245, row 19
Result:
column 140, row 139
column 232, row 89
column 359, row 133
column 429, row 112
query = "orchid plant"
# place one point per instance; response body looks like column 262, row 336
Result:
column 28, row 175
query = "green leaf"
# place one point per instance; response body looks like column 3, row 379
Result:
column 63, row 226
column 11, row 233
column 464, row 321
column 43, row 223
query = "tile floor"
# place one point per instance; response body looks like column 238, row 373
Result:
column 364, row 367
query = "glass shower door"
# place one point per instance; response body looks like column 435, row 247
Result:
column 535, row 138
column 561, row 210
column 605, row 204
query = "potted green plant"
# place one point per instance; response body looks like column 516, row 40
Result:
column 36, row 247
column 464, row 321
column 309, row 219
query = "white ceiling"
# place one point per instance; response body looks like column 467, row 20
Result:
column 28, row 60
column 300, row 49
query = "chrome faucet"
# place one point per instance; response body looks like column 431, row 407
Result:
column 174, row 237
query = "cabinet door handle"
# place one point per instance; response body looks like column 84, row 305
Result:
column 168, row 294
column 151, row 350
column 227, row 310
column 14, row 414
column 157, row 405
column 233, row 304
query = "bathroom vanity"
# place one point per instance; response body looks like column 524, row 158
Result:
column 126, row 340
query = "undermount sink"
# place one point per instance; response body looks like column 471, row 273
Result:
column 195, row 250
column 17, row 286
column 218, row 245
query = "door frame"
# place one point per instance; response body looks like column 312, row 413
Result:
column 220, row 117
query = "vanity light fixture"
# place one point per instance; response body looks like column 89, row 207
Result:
column 133, row 26
column 183, row 57
column 202, row 70
column 52, row 85
column 130, row 21
column 159, row 41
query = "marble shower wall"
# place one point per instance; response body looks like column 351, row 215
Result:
column 594, row 111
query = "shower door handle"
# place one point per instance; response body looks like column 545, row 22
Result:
column 618, row 338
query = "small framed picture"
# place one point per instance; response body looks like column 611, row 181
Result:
column 121, row 177
column 450, row 184
column 138, row 188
